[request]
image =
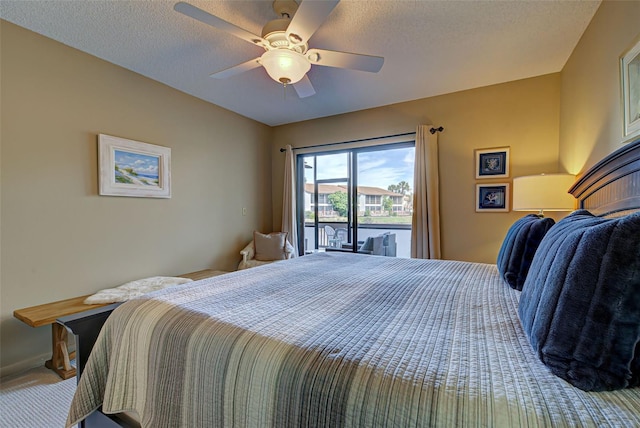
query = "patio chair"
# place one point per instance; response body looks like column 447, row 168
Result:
column 341, row 235
column 333, row 239
column 381, row 245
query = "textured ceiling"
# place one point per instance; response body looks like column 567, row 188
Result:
column 430, row 47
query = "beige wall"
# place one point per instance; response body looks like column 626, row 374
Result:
column 59, row 238
column 523, row 115
column 591, row 108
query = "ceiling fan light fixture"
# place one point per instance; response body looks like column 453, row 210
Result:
column 285, row 66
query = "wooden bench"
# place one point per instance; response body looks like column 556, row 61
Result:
column 37, row 316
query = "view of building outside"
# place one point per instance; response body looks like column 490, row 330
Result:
column 375, row 205
column 385, row 194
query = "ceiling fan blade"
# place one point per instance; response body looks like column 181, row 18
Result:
column 219, row 23
column 237, row 69
column 369, row 63
column 308, row 18
column 304, row 88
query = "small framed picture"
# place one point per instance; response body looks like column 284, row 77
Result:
column 630, row 77
column 133, row 168
column 492, row 163
column 492, row 197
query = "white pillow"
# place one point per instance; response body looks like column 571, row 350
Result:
column 133, row 289
column 270, row 247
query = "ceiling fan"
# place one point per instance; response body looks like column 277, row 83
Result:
column 287, row 57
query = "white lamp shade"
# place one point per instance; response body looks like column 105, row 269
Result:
column 546, row 192
column 285, row 66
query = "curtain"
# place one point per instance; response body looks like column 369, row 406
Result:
column 289, row 200
column 425, row 223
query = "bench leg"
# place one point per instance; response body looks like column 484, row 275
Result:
column 60, row 361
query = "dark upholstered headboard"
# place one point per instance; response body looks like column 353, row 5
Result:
column 612, row 186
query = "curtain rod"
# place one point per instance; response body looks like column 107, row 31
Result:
column 432, row 130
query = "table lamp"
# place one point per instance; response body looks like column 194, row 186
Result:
column 543, row 192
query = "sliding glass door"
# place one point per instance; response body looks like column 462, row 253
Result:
column 357, row 200
column 385, row 200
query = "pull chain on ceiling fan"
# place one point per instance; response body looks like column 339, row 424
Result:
column 287, row 57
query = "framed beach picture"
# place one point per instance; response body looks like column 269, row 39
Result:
column 492, row 197
column 492, row 163
column 133, row 168
column 630, row 77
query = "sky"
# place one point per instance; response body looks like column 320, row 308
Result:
column 376, row 169
column 142, row 164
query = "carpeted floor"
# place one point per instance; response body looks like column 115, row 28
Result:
column 37, row 398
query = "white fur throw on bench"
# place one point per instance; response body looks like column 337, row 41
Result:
column 134, row 289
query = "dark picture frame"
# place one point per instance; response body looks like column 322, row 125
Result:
column 492, row 197
column 492, row 162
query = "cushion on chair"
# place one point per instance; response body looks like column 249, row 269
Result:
column 252, row 263
column 519, row 247
column 270, row 247
column 373, row 245
column 389, row 244
column 367, row 245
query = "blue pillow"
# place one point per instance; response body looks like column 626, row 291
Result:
column 580, row 305
column 519, row 247
column 367, row 245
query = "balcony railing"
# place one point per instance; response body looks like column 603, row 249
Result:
column 402, row 232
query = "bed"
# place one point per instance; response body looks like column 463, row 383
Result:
column 341, row 340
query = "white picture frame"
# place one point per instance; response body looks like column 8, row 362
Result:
column 133, row 168
column 630, row 80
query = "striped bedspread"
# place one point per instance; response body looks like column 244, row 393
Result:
column 335, row 340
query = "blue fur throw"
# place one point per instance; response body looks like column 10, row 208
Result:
column 580, row 305
column 519, row 247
